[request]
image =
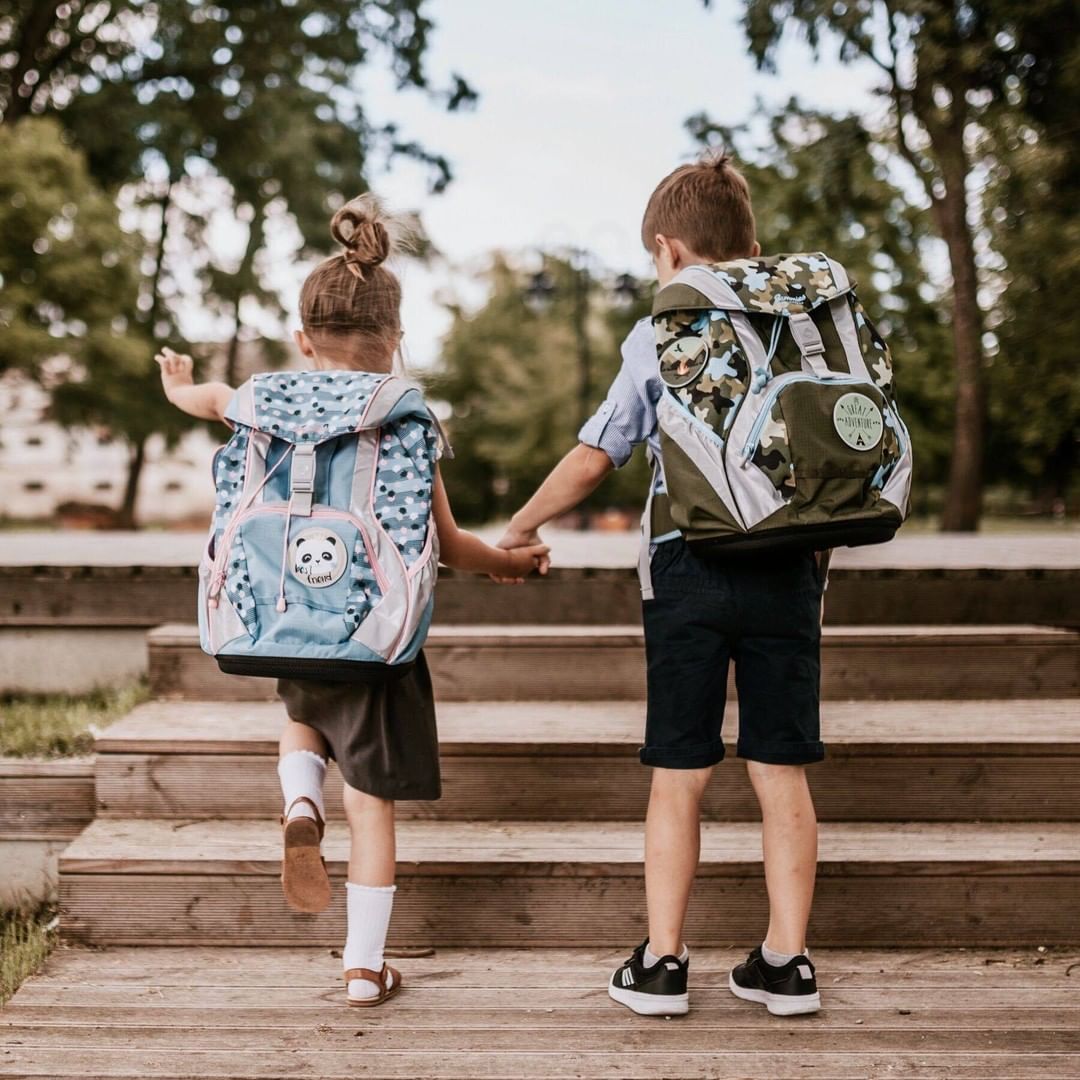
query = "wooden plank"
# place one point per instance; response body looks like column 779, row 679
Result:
column 606, row 663
column 45, row 800
column 141, row 597
column 155, row 846
column 964, row 969
column 308, row 1012
column 670, row 1038
column 542, row 727
column 554, row 1065
column 446, row 1000
column 848, row 786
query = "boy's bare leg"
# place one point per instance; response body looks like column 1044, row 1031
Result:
column 672, row 848
column 789, row 847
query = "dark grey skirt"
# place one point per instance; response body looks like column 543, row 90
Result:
column 382, row 735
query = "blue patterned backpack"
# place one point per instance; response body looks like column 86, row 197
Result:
column 322, row 555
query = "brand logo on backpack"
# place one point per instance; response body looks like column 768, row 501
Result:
column 317, row 558
column 682, row 361
column 857, row 421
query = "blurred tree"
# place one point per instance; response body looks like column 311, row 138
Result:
column 70, row 287
column 947, row 69
column 249, row 113
column 820, row 181
column 511, row 375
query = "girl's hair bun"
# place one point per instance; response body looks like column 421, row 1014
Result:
column 360, row 227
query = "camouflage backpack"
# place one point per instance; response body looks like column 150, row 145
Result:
column 778, row 421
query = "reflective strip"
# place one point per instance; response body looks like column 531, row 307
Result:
column 844, row 321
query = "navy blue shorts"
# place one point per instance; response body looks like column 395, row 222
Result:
column 762, row 613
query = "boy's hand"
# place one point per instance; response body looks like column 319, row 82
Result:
column 515, row 538
column 176, row 369
column 521, row 561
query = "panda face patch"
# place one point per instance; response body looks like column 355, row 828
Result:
column 317, row 558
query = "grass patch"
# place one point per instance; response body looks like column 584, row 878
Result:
column 61, row 725
column 26, row 939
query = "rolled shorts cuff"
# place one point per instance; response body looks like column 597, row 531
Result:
column 701, row 756
column 781, row 753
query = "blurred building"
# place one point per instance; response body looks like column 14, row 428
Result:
column 46, row 469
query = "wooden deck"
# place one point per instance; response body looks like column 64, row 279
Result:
column 215, row 1013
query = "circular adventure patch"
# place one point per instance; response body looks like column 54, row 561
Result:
column 857, row 421
column 317, row 558
column 683, row 360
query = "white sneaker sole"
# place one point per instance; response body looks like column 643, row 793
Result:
column 650, row 1004
column 777, row 1004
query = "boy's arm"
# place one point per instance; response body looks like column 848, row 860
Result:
column 207, row 401
column 576, row 477
column 464, row 551
column 606, row 441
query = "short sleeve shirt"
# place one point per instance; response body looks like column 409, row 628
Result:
column 627, row 416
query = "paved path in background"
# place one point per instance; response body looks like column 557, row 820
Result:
column 951, row 551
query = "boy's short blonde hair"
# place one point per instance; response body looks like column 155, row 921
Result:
column 705, row 205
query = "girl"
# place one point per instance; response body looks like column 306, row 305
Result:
column 382, row 735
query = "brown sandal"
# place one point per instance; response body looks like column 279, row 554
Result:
column 377, row 977
column 303, row 870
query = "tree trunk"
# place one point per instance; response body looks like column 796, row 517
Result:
column 35, row 30
column 243, row 275
column 126, row 518
column 963, row 497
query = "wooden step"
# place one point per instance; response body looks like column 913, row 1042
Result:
column 127, row 882
column 524, row 663
column 887, row 761
column 539, row 1014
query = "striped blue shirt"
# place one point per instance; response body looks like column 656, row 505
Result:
column 627, row 416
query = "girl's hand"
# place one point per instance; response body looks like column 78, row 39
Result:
column 176, row 370
column 522, row 561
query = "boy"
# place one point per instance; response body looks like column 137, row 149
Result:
column 763, row 614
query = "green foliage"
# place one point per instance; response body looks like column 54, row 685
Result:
column 513, row 377
column 198, row 111
column 69, row 273
column 980, row 106
column 26, row 939
column 61, row 725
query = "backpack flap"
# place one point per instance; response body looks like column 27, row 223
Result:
column 315, row 406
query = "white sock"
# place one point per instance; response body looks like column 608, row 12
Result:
column 779, row 959
column 302, row 772
column 650, row 958
column 368, row 909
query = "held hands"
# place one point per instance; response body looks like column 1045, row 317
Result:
column 176, row 370
column 526, row 552
column 521, row 561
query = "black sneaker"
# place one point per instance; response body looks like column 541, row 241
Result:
column 787, row 990
column 659, row 990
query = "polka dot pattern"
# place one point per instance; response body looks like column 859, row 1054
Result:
column 238, row 585
column 364, row 592
column 403, row 483
column 311, row 406
column 229, row 478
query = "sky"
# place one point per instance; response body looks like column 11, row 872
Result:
column 581, row 111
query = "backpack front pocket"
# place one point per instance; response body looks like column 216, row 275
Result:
column 824, row 446
column 316, row 584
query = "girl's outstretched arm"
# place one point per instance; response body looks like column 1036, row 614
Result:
column 207, row 401
column 464, row 551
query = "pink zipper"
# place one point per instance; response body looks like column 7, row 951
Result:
column 217, row 579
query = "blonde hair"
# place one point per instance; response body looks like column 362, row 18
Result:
column 705, row 205
column 350, row 304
